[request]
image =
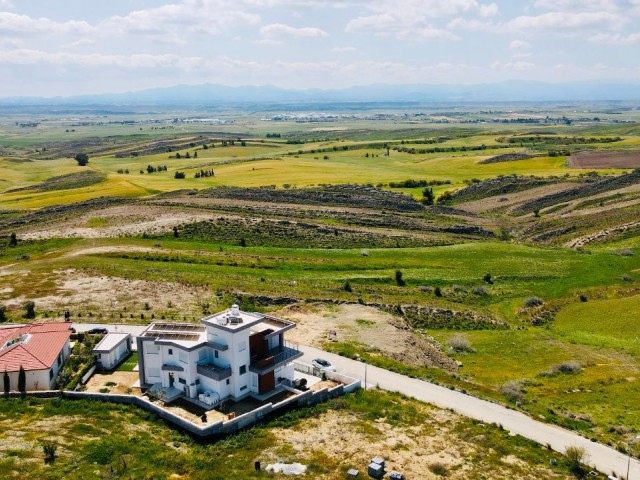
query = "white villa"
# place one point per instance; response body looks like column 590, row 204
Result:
column 231, row 354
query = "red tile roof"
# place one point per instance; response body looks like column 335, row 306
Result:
column 38, row 351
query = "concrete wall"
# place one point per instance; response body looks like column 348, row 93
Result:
column 220, row 428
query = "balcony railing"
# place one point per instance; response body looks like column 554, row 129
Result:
column 211, row 370
column 276, row 358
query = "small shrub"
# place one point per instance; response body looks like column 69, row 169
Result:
column 104, row 390
column 626, row 252
column 626, row 278
column 576, row 457
column 569, row 367
column 3, row 313
column 49, row 450
column 583, row 298
column 459, row 344
column 439, row 469
column 347, row 287
column 532, row 302
column 513, row 391
column 480, row 291
column 437, row 291
column 399, row 280
column 487, row 278
column 110, row 384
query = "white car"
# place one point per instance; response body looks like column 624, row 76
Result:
column 323, row 364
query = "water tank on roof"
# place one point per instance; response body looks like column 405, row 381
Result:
column 223, row 320
column 235, row 310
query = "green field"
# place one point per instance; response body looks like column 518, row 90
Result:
column 531, row 291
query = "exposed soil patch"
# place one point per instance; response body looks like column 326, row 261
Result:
column 132, row 220
column 117, row 298
column 124, row 382
column 604, row 160
column 358, row 323
column 413, row 450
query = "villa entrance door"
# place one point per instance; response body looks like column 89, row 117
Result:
column 266, row 382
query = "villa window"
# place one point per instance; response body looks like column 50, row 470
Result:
column 171, row 351
column 215, row 353
column 51, row 374
column 242, row 346
column 243, row 369
column 182, row 381
column 227, row 381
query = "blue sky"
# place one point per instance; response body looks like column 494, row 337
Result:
column 68, row 47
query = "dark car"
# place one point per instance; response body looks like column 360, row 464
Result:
column 98, row 331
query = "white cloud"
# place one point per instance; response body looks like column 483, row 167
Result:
column 203, row 16
column 402, row 28
column 31, row 57
column 6, row 4
column 413, row 19
column 14, row 23
column 578, row 5
column 565, row 20
column 473, row 24
column 519, row 45
column 615, row 38
column 514, row 66
column 278, row 30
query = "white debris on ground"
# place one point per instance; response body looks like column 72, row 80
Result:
column 287, row 469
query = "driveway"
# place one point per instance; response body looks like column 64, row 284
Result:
column 603, row 458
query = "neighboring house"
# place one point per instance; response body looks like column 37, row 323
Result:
column 230, row 355
column 112, row 349
column 40, row 348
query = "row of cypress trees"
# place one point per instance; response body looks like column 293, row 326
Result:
column 22, row 382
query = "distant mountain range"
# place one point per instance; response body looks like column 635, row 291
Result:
column 214, row 94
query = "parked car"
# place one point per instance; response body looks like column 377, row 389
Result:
column 323, row 364
column 98, row 331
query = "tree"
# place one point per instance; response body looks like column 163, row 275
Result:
column 428, row 198
column 179, row 175
column 175, row 232
column 7, row 383
column 487, row 278
column 22, row 381
column 347, row 287
column 3, row 313
column 243, row 242
column 13, row 240
column 399, row 280
column 29, row 309
column 82, row 159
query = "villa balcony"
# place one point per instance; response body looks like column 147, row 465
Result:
column 213, row 371
column 276, row 358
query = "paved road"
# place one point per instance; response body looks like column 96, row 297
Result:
column 603, row 458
